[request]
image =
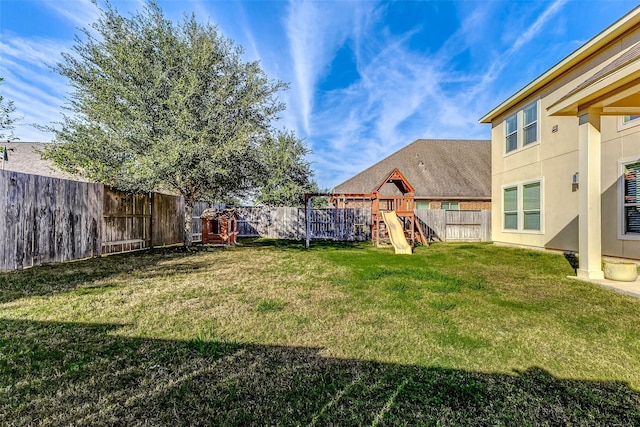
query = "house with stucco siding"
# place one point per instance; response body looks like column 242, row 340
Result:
column 566, row 154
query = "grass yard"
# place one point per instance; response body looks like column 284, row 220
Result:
column 342, row 334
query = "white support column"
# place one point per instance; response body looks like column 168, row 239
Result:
column 590, row 235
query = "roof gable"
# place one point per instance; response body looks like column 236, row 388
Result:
column 435, row 168
column 396, row 178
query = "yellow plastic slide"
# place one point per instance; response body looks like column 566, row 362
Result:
column 396, row 233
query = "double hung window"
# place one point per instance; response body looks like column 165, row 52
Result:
column 521, row 128
column 510, row 206
column 521, row 205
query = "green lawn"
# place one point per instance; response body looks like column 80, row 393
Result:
column 268, row 333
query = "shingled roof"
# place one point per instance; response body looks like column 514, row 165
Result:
column 436, row 168
column 24, row 157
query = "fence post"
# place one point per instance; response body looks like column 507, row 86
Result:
column 308, row 221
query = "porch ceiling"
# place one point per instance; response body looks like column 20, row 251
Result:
column 613, row 89
column 615, row 95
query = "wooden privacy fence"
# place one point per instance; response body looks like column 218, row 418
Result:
column 53, row 220
column 352, row 224
column 50, row 220
column 47, row 220
column 446, row 225
column 139, row 221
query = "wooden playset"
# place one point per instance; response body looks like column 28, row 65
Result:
column 402, row 202
column 403, row 205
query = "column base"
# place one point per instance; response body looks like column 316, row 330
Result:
column 590, row 274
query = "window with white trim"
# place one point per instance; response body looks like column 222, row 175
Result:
column 631, row 199
column 511, row 132
column 521, row 128
column 521, row 206
column 628, row 122
column 450, row 206
column 531, row 206
column 510, row 206
column 530, row 124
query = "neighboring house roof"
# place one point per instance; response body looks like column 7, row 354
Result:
column 24, row 157
column 620, row 27
column 436, row 168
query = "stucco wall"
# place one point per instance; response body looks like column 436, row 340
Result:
column 554, row 161
column 617, row 145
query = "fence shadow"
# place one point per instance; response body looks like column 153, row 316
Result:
column 68, row 374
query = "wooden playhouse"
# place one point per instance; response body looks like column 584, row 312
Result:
column 219, row 227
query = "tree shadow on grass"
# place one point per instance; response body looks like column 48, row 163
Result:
column 75, row 374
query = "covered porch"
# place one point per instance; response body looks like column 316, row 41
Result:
column 613, row 90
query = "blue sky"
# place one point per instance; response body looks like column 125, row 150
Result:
column 366, row 77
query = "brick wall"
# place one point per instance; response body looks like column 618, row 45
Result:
column 352, row 203
column 475, row 206
column 464, row 206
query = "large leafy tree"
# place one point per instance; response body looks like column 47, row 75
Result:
column 159, row 105
column 289, row 174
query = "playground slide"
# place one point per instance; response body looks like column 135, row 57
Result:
column 396, row 233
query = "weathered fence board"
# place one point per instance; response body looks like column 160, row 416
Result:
column 53, row 220
column 47, row 220
column 168, row 220
column 126, row 224
column 289, row 223
column 451, row 225
column 196, row 221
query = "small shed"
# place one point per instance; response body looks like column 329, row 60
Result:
column 219, row 227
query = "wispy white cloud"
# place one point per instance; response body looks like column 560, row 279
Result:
column 79, row 12
column 315, row 31
column 404, row 94
column 399, row 97
column 526, row 35
column 36, row 51
column 37, row 91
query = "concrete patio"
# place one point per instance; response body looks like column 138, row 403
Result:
column 628, row 288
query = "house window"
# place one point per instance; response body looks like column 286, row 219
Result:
column 626, row 122
column 511, row 131
column 522, row 207
column 521, row 128
column 530, row 124
column 510, row 205
column 422, row 205
column 531, row 206
column 450, row 206
column 631, row 200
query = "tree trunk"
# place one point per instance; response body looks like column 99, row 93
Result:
column 188, row 217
